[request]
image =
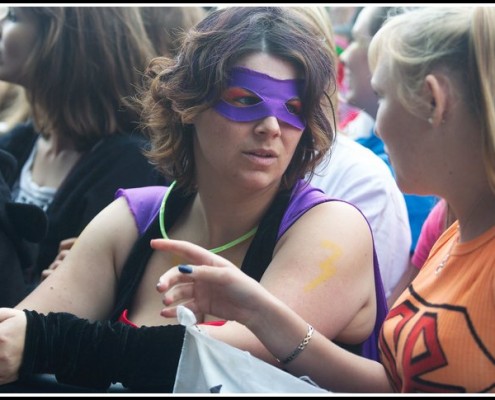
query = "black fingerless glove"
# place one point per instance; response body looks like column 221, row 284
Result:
column 97, row 354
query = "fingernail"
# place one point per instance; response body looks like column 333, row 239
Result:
column 185, row 269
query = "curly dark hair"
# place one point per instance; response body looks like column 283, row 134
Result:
column 181, row 88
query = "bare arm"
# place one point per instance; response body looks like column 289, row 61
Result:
column 86, row 282
column 63, row 249
column 407, row 277
column 84, row 286
column 292, row 291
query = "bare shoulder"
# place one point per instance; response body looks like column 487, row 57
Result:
column 115, row 228
column 337, row 224
column 85, row 282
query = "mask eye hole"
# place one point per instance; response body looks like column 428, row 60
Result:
column 240, row 97
column 294, row 106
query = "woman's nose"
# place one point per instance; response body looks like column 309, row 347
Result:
column 268, row 125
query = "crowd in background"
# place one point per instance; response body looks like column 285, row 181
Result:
column 113, row 117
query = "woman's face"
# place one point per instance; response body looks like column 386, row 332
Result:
column 19, row 32
column 250, row 139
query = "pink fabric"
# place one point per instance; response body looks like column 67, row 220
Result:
column 433, row 227
column 123, row 318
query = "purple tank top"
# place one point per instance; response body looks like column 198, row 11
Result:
column 145, row 203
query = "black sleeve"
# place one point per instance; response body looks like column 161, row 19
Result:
column 97, row 354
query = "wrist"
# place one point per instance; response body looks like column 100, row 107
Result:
column 282, row 331
column 298, row 350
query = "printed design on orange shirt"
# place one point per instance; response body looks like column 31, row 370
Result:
column 425, row 360
column 327, row 267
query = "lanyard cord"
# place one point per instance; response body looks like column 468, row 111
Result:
column 216, row 249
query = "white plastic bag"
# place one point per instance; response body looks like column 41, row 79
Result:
column 208, row 365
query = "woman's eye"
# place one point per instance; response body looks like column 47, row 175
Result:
column 294, row 106
column 240, row 97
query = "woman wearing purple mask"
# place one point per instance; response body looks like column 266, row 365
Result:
column 236, row 121
column 433, row 72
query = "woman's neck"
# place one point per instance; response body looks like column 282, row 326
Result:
column 477, row 216
column 53, row 161
column 227, row 215
column 53, row 144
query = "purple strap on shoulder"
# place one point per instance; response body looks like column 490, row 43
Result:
column 370, row 346
column 304, row 197
column 144, row 203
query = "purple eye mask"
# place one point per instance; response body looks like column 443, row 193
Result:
column 274, row 93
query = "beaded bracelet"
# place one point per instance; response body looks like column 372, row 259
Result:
column 299, row 348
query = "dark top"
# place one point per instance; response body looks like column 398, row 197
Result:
column 115, row 161
column 21, row 226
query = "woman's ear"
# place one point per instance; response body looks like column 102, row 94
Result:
column 437, row 92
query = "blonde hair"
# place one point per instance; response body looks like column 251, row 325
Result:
column 459, row 40
column 319, row 17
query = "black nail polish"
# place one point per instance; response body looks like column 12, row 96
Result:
column 185, row 269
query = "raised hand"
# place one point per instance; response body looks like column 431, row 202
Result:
column 208, row 284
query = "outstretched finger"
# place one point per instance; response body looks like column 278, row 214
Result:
column 205, row 274
column 193, row 253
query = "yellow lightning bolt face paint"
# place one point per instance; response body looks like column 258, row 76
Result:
column 327, row 266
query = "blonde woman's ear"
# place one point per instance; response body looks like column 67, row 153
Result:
column 437, row 90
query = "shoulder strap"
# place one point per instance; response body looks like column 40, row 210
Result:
column 304, row 197
column 144, row 204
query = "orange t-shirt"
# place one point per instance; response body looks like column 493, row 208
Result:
column 440, row 334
